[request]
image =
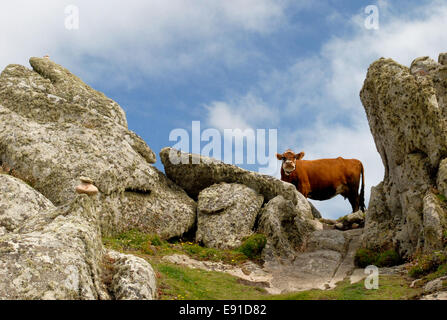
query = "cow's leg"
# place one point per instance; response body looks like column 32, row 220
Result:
column 354, row 200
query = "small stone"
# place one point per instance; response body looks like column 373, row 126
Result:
column 86, row 187
column 412, row 285
column 86, row 180
column 245, row 271
column 355, row 226
column 434, row 285
column 339, row 226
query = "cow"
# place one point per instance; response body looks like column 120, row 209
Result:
column 323, row 179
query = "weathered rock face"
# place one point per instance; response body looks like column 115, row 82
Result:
column 132, row 278
column 353, row 220
column 284, row 227
column 226, row 214
column 407, row 113
column 327, row 257
column 434, row 222
column 194, row 173
column 17, row 196
column 54, row 129
column 315, row 213
column 57, row 253
column 230, row 199
column 56, row 261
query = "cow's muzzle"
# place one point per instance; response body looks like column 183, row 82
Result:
column 288, row 168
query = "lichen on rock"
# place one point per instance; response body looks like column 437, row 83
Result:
column 285, row 228
column 195, row 172
column 55, row 128
column 407, row 113
column 56, row 253
column 226, row 214
column 19, row 202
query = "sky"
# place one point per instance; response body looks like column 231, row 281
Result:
column 294, row 66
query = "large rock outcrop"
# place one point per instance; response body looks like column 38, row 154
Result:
column 54, row 128
column 285, row 228
column 231, row 200
column 194, row 173
column 57, row 253
column 407, row 113
column 226, row 214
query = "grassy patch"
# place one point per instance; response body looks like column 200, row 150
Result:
column 152, row 245
column 390, row 288
column 365, row 257
column 182, row 283
column 178, row 282
column 135, row 240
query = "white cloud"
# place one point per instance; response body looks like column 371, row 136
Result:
column 247, row 112
column 153, row 37
column 221, row 116
column 400, row 37
column 403, row 37
column 162, row 38
column 326, row 86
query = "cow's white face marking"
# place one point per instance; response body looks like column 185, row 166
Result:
column 289, row 159
column 288, row 166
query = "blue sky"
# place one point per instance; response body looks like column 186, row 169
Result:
column 295, row 66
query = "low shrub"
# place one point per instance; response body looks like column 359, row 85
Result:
column 365, row 257
column 253, row 246
column 388, row 258
column 441, row 197
column 428, row 263
column 155, row 240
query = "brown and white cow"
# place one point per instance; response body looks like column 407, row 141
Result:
column 324, row 178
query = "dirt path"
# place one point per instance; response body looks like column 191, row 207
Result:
column 329, row 258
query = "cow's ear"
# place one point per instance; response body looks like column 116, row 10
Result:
column 299, row 156
column 279, row 156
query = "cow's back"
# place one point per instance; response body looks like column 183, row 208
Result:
column 329, row 177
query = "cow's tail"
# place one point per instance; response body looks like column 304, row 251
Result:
column 362, row 190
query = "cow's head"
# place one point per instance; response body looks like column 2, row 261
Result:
column 288, row 159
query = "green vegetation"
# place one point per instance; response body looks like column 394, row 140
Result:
column 176, row 282
column 434, row 263
column 365, row 257
column 252, row 247
column 441, row 197
column 152, row 245
column 390, row 288
column 134, row 240
column 180, row 283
